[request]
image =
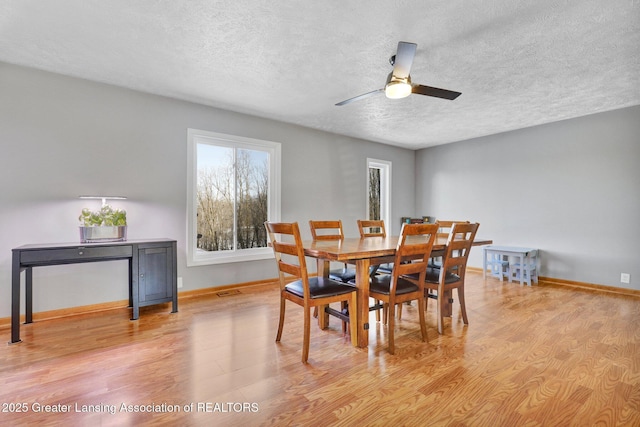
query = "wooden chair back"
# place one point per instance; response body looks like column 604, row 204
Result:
column 446, row 225
column 289, row 253
column 414, row 250
column 371, row 228
column 326, row 230
column 458, row 247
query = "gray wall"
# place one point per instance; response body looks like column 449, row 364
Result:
column 570, row 188
column 62, row 137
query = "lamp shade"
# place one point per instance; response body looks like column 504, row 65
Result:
column 104, row 198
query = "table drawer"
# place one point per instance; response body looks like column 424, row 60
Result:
column 76, row 254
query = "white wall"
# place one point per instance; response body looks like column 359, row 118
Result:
column 570, row 188
column 61, row 137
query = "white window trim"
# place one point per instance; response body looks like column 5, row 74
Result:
column 196, row 258
column 385, row 189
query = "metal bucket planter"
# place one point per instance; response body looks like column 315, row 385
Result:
column 103, row 234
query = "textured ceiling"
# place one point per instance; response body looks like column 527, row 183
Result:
column 517, row 63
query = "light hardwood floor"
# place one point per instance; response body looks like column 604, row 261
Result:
column 531, row 356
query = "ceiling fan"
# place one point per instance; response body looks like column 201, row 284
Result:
column 399, row 80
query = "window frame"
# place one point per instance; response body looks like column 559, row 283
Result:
column 196, row 136
column 385, row 188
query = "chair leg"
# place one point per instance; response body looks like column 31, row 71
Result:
column 391, row 327
column 343, row 306
column 281, row 322
column 353, row 323
column 385, row 313
column 421, row 314
column 377, row 311
column 440, row 305
column 307, row 333
column 463, row 307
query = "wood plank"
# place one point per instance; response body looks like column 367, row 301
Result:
column 540, row 355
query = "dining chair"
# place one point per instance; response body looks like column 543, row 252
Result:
column 406, row 282
column 332, row 230
column 371, row 228
column 452, row 272
column 374, row 228
column 444, row 228
column 307, row 292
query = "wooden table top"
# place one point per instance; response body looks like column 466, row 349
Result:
column 355, row 248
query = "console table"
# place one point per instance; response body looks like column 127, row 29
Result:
column 497, row 257
column 152, row 271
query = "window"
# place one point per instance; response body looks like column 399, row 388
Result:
column 378, row 190
column 233, row 187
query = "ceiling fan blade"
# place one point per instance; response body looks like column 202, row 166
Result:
column 404, row 59
column 359, row 97
column 436, row 92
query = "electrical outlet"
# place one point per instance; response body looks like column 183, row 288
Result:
column 625, row 278
column 179, row 282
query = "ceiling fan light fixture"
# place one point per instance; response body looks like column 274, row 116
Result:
column 397, row 88
column 398, row 84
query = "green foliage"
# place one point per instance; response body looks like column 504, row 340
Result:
column 107, row 216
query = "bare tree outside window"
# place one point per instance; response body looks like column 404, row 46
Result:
column 252, row 177
column 374, row 193
column 374, row 196
column 233, row 187
column 378, row 190
column 232, row 198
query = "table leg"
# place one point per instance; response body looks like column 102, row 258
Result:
column 174, row 278
column 15, row 299
column 362, row 312
column 322, row 270
column 134, row 285
column 28, row 295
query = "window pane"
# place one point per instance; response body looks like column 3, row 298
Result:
column 233, row 187
column 215, row 194
column 374, row 193
column 252, row 175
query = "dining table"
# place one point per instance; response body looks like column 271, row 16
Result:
column 363, row 253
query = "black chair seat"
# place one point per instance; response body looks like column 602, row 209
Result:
column 435, row 264
column 433, row 276
column 381, row 284
column 343, row 274
column 319, row 287
column 385, row 268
